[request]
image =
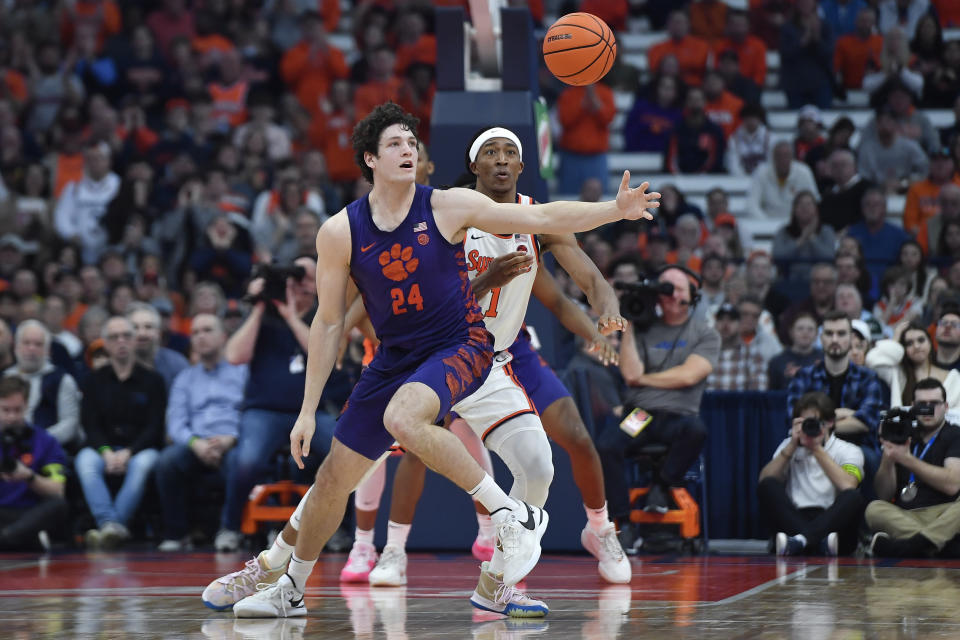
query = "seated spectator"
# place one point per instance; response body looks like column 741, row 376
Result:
column 890, row 159
column 858, row 50
column 930, row 231
column 728, row 64
column 712, row 274
column 881, row 240
column 203, row 416
column 802, row 352
column 949, row 135
column 806, row 57
column 854, row 390
column 901, row 14
column 823, row 289
column 948, row 249
column 850, row 302
column 750, row 50
column 760, row 274
column 740, row 367
column 947, row 355
column 722, row 107
column 690, row 51
column 585, row 114
column 749, row 146
column 313, row 64
column 906, row 358
column 808, row 491
column 912, row 123
column 53, row 401
column 707, row 18
column 673, row 205
column 696, row 144
column 776, row 184
column 861, row 342
column 756, row 333
column 917, row 484
column 224, row 254
column 896, row 305
column 653, row 116
column 54, row 314
column 122, row 414
column 809, row 145
column 923, row 195
column 804, row 240
column 381, row 83
column 926, row 44
column 912, row 259
column 32, row 503
column 687, row 234
column 894, row 66
column 147, row 350
column 841, row 205
column 262, row 114
column 942, row 85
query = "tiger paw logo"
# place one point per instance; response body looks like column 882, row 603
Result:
column 398, row 263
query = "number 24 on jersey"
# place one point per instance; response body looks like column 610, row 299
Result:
column 404, row 302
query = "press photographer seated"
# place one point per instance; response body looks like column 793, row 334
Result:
column 808, row 491
column 918, row 480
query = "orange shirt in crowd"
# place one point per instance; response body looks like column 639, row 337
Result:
column 423, row 50
column 370, row 94
column 331, row 134
column 751, row 53
column 613, row 12
column 211, row 43
column 922, row 204
column 421, row 107
column 66, row 169
column 585, row 130
column 691, row 53
column 229, row 103
column 73, row 318
column 330, row 12
column 852, row 54
column 310, row 74
column 105, row 15
column 16, row 85
column 725, row 112
column 693, row 262
column 708, row 19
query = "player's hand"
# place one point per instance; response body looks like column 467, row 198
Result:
column 301, row 436
column 605, row 352
column 505, row 268
column 609, row 323
column 633, row 203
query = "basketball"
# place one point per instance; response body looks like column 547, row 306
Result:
column 579, row 49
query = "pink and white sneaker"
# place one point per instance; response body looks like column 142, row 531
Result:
column 362, row 559
column 482, row 549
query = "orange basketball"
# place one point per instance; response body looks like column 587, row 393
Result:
column 579, row 49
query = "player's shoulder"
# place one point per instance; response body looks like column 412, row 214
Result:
column 335, row 231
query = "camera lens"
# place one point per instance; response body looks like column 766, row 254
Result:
column 811, row 427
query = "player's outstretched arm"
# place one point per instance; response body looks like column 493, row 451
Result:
column 333, row 272
column 460, row 209
column 601, row 296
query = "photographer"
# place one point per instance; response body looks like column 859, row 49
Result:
column 809, row 489
column 665, row 367
column 31, row 473
column 273, row 342
column 918, row 480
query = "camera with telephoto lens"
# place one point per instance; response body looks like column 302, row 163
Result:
column 9, row 442
column 897, row 424
column 639, row 301
column 274, row 281
column 811, row 427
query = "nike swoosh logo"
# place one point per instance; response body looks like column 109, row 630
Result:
column 296, row 603
column 476, row 237
column 367, row 248
column 529, row 524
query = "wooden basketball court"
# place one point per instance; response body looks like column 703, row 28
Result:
column 153, row 595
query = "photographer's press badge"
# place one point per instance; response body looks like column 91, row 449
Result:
column 909, row 492
column 635, row 422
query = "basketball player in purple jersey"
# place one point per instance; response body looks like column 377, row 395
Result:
column 401, row 245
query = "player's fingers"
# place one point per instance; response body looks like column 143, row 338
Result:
column 295, row 449
column 653, row 196
column 625, row 182
column 643, row 187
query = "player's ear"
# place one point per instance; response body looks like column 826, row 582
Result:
column 430, row 168
column 521, row 167
column 368, row 159
column 473, row 168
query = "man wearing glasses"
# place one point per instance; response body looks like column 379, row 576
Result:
column 948, row 338
column 122, row 413
column 918, row 483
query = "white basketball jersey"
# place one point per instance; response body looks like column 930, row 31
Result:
column 504, row 308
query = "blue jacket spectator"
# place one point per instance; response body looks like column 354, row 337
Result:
column 653, row 116
column 806, row 59
column 697, row 144
column 881, row 241
column 841, row 15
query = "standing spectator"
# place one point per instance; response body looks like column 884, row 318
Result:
column 585, row 114
column 750, row 50
column 809, row 145
column 122, row 413
column 858, row 51
column 150, row 355
column 381, row 83
column 312, row 65
column 842, row 203
column 331, row 134
column 902, row 14
column 907, row 358
column 804, row 240
column 890, row 159
column 707, row 18
column 758, row 335
column 749, row 146
column 53, row 400
column 690, row 51
column 776, row 184
column 84, row 202
column 52, row 87
column 808, row 491
column 894, row 66
column 229, row 92
column 923, row 195
column 32, row 493
column 224, row 254
column 722, row 106
column 931, row 230
column 652, row 118
column 802, row 352
column 854, row 390
column 169, row 22
column 842, row 15
column 916, row 511
column 806, row 58
column 740, row 367
column 696, row 145
column 728, row 64
column 203, row 417
column 880, row 240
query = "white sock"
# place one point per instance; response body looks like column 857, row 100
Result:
column 279, row 552
column 802, row 538
column 597, row 518
column 365, row 537
column 485, row 525
column 299, row 570
column 491, row 496
column 397, row 534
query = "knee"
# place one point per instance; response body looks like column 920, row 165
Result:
column 768, row 487
column 399, row 424
column 696, row 432
column 539, row 475
column 874, row 513
column 88, row 461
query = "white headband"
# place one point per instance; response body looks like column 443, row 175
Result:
column 489, row 134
